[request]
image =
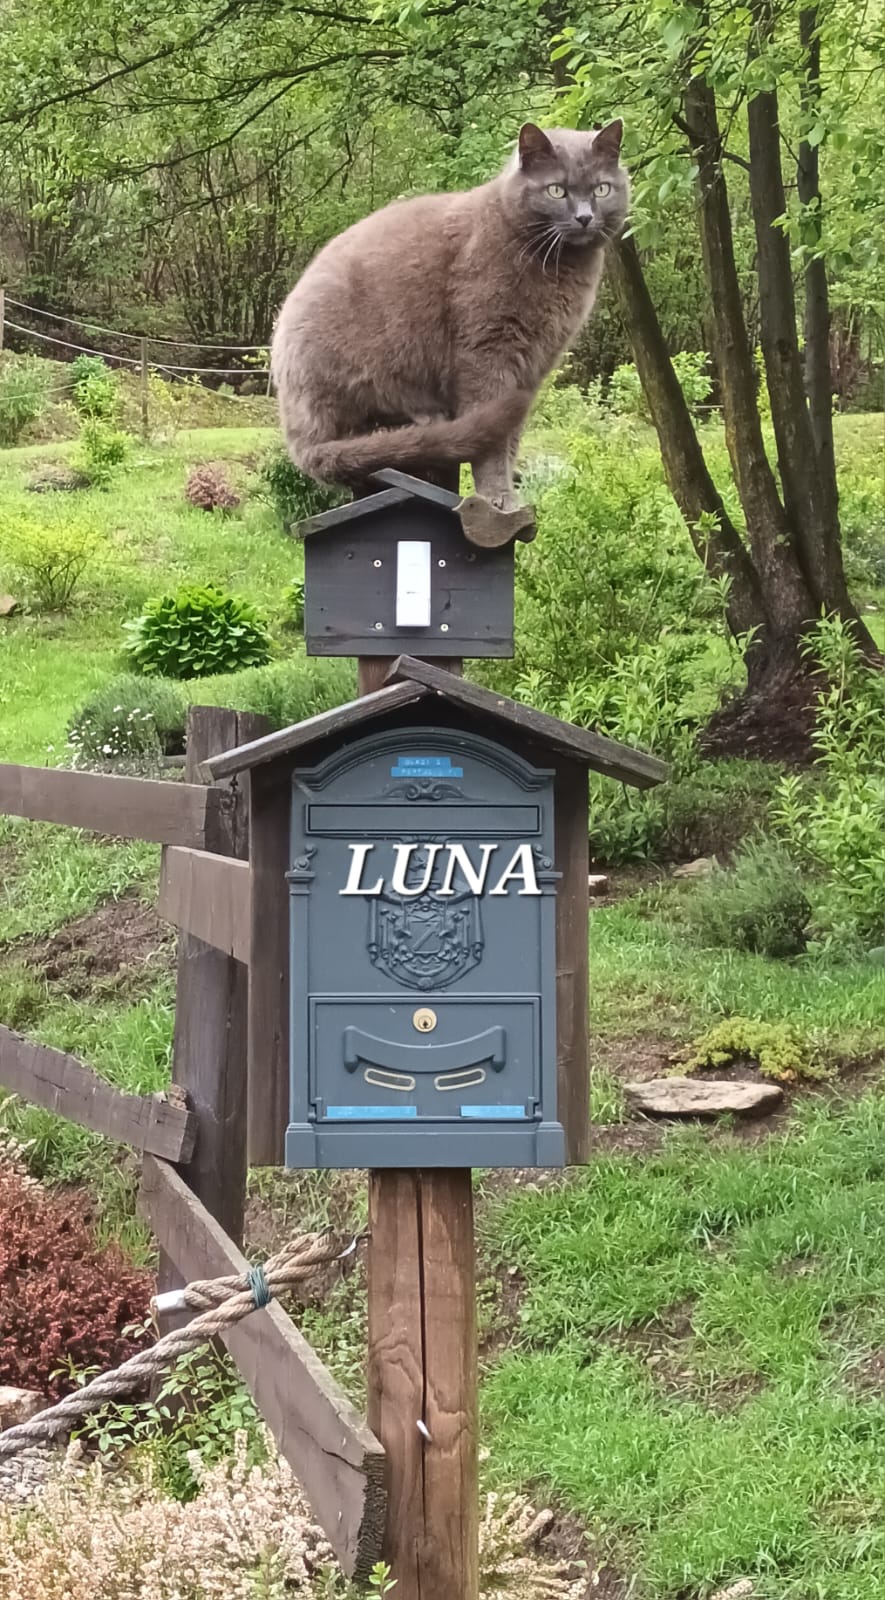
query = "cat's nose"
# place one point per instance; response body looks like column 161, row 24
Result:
column 584, row 218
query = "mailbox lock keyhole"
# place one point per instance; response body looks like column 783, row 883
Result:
column 424, row 1019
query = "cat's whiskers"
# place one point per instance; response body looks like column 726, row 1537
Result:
column 556, row 244
column 539, row 235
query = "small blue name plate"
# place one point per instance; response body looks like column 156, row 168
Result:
column 500, row 1113
column 370, row 1113
column 425, row 767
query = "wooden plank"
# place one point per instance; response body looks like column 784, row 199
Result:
column 209, row 1047
column 332, row 1452
column 570, row 828
column 325, row 725
column 268, row 1101
column 210, row 896
column 163, row 812
column 419, row 487
column 615, row 760
column 352, row 511
column 422, row 1367
column 62, row 1084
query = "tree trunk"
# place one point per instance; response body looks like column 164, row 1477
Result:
column 818, row 376
column 812, row 516
column 688, row 476
column 788, row 601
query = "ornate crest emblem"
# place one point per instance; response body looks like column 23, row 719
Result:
column 425, row 941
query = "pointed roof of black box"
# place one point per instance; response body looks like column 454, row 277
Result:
column 411, row 681
column 398, row 488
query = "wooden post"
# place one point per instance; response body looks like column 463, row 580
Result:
column 145, row 420
column 209, row 1051
column 422, row 1362
column 2, row 315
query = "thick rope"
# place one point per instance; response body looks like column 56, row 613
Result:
column 221, row 1302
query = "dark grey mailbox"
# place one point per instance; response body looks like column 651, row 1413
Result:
column 423, row 936
column 395, row 573
column 418, row 937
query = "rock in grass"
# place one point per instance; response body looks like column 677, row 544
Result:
column 19, row 1405
column 698, row 1097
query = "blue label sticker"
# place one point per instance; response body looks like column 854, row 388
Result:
column 425, row 767
column 369, row 1113
column 496, row 1113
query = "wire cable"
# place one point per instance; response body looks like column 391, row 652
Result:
column 118, row 333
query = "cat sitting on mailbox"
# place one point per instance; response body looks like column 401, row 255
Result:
column 420, row 336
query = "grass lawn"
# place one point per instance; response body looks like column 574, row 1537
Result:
column 685, row 1343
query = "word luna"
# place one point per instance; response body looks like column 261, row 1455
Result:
column 416, row 863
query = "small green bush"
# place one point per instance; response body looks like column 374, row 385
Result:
column 24, row 391
column 130, row 719
column 625, row 394
column 293, row 600
column 836, row 826
column 95, row 393
column 48, row 559
column 714, row 808
column 774, row 1046
column 102, row 451
column 286, row 691
column 195, row 633
column 292, row 494
column 757, row 904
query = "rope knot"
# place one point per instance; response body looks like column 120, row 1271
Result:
column 262, row 1293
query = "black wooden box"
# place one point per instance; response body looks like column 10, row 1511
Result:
column 394, row 574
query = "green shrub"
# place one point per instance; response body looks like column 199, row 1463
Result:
column 95, row 392
column 292, row 494
column 757, row 904
column 48, row 559
column 774, row 1046
column 293, row 600
column 625, row 394
column 129, row 719
column 102, row 451
column 195, row 633
column 837, row 827
column 286, row 691
column 713, row 809
column 24, row 391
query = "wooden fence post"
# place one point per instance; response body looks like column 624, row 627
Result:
column 145, row 418
column 422, row 1359
column 209, row 1051
column 2, row 315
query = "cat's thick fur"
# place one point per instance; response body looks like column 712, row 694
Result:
column 421, row 335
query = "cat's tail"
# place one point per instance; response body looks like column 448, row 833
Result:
column 469, row 437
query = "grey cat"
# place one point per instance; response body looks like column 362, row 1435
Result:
column 420, row 336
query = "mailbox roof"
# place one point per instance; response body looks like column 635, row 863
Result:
column 409, row 683
column 398, row 487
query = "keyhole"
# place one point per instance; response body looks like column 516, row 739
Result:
column 424, row 1019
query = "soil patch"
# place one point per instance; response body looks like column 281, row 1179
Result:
column 567, row 1540
column 766, row 725
column 121, row 945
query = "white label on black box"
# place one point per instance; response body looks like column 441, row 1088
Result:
column 413, row 584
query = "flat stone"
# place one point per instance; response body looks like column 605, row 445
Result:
column 703, row 867
column 701, row 1097
column 597, row 883
column 19, row 1405
column 8, row 605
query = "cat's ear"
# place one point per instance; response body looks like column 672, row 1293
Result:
column 608, row 140
column 534, row 146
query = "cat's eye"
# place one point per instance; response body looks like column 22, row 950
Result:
column 602, row 189
column 556, row 191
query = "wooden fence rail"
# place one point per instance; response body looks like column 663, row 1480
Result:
column 159, row 811
column 209, row 896
column 336, row 1459
column 59, row 1083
